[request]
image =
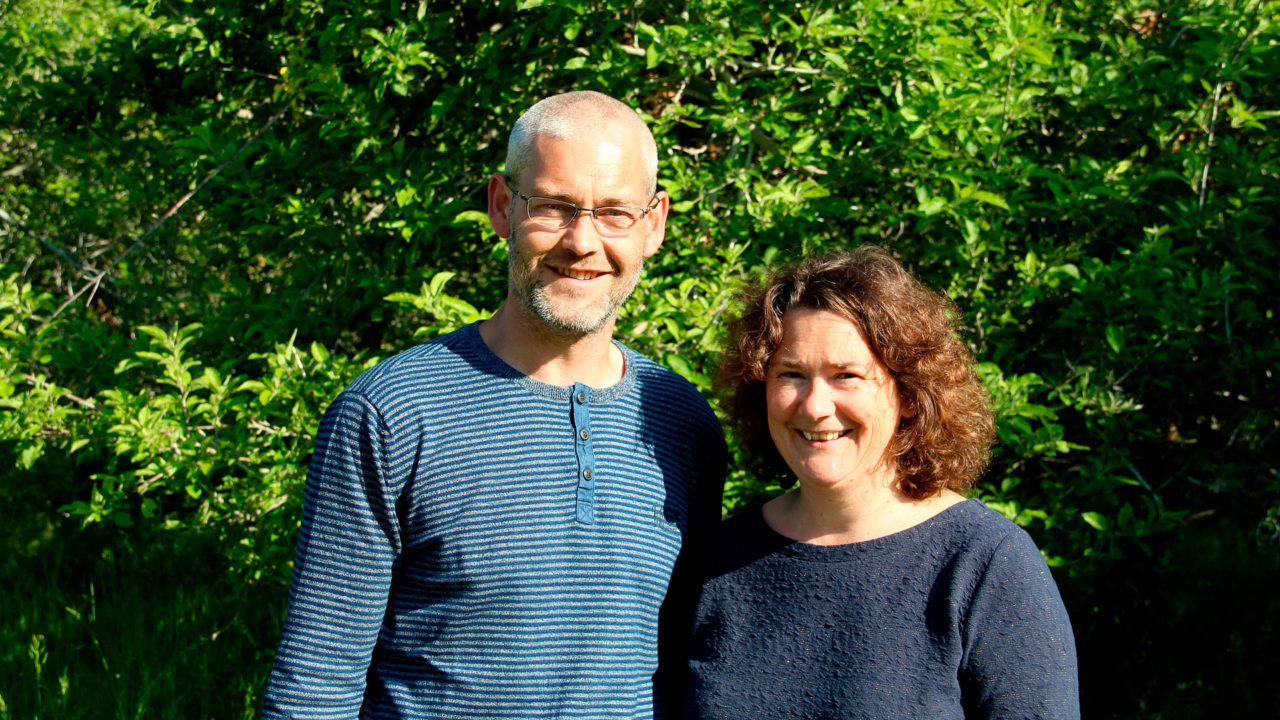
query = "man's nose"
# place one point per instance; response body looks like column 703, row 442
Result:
column 581, row 235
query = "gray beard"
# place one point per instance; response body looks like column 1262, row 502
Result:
column 533, row 296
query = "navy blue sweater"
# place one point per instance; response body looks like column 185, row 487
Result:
column 957, row 617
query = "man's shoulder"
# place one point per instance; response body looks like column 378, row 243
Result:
column 653, row 377
column 664, row 392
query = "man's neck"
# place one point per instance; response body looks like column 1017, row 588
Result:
column 552, row 357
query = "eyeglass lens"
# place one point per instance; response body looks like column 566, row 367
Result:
column 557, row 214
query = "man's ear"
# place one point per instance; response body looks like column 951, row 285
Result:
column 656, row 223
column 500, row 198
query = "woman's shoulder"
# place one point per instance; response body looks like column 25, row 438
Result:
column 975, row 520
column 973, row 534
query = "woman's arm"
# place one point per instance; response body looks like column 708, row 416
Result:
column 1020, row 654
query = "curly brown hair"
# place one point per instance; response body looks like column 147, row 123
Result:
column 946, row 442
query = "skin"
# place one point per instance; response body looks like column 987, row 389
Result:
column 832, row 410
column 565, row 286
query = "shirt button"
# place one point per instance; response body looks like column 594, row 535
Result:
column 582, row 398
column 584, row 433
column 586, row 474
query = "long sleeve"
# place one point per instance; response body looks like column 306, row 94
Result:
column 1020, row 655
column 675, row 621
column 347, row 545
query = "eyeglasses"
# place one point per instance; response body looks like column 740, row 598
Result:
column 610, row 220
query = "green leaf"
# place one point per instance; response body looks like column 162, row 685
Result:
column 679, row 364
column 319, row 352
column 990, row 198
column 836, row 59
column 652, row 56
column 646, row 29
column 1095, row 520
column 153, row 331
column 1038, row 54
column 804, row 143
column 1032, row 410
column 438, row 281
column 932, row 206
column 471, row 216
column 402, row 297
column 1115, row 338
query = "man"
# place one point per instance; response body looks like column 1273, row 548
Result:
column 492, row 518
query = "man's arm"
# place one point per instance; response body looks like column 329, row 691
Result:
column 342, row 571
column 675, row 619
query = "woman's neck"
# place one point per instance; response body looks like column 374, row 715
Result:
column 839, row 516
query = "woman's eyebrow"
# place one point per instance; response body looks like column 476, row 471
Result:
column 788, row 362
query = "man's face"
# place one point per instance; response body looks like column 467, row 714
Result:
column 574, row 279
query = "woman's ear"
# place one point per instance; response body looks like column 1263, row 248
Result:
column 907, row 407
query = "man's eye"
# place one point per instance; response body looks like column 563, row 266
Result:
column 618, row 213
column 550, row 209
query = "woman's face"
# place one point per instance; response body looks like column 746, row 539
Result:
column 832, row 406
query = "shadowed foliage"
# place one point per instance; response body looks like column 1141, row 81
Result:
column 214, row 215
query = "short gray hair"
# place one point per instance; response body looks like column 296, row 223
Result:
column 561, row 117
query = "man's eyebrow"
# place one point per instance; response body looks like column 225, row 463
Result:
column 564, row 197
column 554, row 195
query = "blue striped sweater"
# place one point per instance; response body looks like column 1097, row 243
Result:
column 477, row 544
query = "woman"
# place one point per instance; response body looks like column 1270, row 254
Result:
column 873, row 589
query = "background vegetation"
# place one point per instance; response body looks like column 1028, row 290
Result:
column 213, row 215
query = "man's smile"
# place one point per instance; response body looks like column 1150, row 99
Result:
column 578, row 274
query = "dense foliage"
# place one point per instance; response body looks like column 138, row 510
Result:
column 214, row 215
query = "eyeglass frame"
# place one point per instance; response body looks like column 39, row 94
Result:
column 601, row 227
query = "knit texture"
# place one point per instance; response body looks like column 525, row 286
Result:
column 477, row 544
column 957, row 617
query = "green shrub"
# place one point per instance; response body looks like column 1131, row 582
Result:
column 1094, row 184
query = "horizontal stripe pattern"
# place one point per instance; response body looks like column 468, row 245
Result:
column 446, row 565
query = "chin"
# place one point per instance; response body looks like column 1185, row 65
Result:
column 574, row 320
